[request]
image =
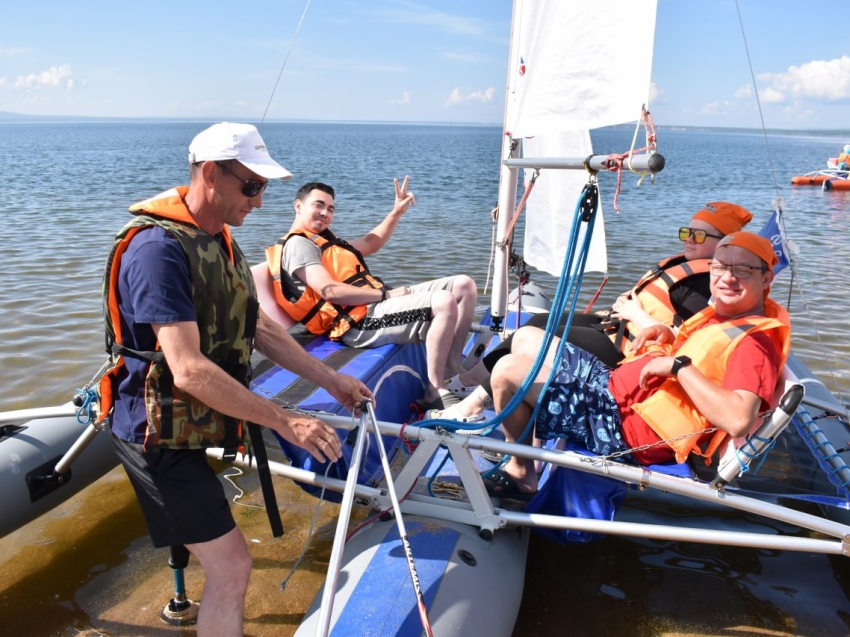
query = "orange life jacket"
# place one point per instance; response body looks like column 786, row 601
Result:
column 669, row 411
column 653, row 292
column 226, row 309
column 344, row 263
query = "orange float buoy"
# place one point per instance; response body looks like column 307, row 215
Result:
column 809, row 180
column 836, row 184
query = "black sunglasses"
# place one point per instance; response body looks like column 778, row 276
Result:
column 250, row 187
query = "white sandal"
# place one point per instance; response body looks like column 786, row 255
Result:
column 455, row 386
column 450, row 414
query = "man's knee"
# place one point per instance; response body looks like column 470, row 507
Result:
column 503, row 376
column 443, row 303
column 527, row 341
column 464, row 287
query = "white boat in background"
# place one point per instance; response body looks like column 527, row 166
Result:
column 467, row 551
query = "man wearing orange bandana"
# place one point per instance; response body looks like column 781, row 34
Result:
column 716, row 374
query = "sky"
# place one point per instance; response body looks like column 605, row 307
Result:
column 401, row 60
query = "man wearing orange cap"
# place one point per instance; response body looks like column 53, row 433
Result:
column 670, row 293
column 719, row 371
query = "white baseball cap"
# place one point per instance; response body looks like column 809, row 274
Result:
column 241, row 142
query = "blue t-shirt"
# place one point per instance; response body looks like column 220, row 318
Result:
column 154, row 286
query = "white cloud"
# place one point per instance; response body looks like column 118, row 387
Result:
column 476, row 96
column 404, row 101
column 2, row 81
column 717, row 108
column 771, row 96
column 465, row 57
column 744, row 91
column 827, row 80
column 13, row 51
column 55, row 77
column 654, row 92
column 711, row 108
column 414, row 13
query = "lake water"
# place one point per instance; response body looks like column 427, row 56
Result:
column 65, row 190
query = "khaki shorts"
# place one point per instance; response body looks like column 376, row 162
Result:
column 404, row 319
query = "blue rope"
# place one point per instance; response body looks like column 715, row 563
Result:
column 569, row 285
column 803, row 419
column 86, row 413
column 743, row 450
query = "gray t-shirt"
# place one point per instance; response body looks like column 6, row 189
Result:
column 299, row 252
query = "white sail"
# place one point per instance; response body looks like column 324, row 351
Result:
column 563, row 87
column 574, row 66
column 579, row 65
column 550, row 206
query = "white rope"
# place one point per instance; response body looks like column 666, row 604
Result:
column 283, row 66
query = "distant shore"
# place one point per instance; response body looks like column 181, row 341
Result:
column 7, row 117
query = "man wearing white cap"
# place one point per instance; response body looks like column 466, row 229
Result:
column 181, row 321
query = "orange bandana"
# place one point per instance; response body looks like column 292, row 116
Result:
column 726, row 217
column 754, row 243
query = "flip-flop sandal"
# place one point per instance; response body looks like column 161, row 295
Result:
column 492, row 456
column 502, row 485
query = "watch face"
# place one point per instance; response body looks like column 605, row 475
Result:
column 680, row 362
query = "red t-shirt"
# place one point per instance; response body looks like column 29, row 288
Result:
column 753, row 366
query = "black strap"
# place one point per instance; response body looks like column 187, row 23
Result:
column 621, row 332
column 155, row 356
column 258, row 447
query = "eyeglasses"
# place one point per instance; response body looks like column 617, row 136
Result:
column 250, row 187
column 738, row 271
column 698, row 235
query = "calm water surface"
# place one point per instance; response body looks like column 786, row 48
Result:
column 65, row 191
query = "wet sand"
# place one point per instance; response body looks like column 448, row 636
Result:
column 87, row 568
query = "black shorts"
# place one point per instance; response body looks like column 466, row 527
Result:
column 181, row 497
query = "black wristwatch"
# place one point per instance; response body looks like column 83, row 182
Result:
column 678, row 363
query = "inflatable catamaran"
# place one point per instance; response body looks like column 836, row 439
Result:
column 440, row 554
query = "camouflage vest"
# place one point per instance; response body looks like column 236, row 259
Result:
column 226, row 310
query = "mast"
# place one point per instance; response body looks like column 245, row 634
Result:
column 508, row 178
column 564, row 79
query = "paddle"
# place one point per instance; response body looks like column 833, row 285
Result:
column 402, row 531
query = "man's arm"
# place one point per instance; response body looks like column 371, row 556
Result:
column 629, row 308
column 735, row 411
column 280, row 348
column 197, row 375
column 380, row 234
column 318, row 278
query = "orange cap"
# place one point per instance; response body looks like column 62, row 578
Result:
column 726, row 217
column 754, row 243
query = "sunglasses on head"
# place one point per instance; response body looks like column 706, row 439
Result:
column 250, row 187
column 698, row 235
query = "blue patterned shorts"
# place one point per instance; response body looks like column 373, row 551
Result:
column 578, row 405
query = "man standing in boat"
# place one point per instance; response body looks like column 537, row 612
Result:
column 182, row 319
column 324, row 283
column 679, row 394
